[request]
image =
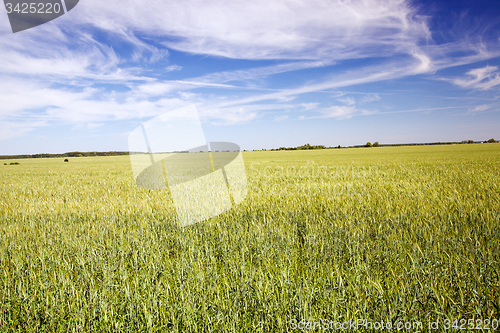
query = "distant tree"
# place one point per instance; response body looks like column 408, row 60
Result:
column 78, row 155
column 368, row 144
column 338, row 146
column 375, row 144
column 66, row 160
column 492, row 140
column 470, row 141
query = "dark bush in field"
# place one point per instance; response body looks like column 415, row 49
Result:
column 14, row 163
column 66, row 160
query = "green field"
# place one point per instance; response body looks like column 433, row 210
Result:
column 400, row 234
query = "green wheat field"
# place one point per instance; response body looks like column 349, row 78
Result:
column 398, row 234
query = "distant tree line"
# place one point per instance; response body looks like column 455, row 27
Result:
column 69, row 154
column 376, row 144
column 303, row 147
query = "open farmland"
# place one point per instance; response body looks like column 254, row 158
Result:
column 408, row 234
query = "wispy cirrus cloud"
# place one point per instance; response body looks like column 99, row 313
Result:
column 253, row 73
column 218, row 115
column 10, row 129
column 281, row 118
column 56, row 56
column 173, row 68
column 349, row 100
column 159, row 88
column 385, row 71
column 268, row 29
column 479, row 108
column 338, row 112
column 347, row 112
column 479, row 78
column 370, row 97
column 33, row 101
column 112, row 64
column 341, row 112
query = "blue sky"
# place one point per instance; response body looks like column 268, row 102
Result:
column 263, row 74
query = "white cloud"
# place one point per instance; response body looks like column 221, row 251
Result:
column 253, row 73
column 480, row 78
column 229, row 116
column 61, row 57
column 173, row 68
column 9, row 129
column 338, row 112
column 479, row 108
column 344, row 112
column 94, row 125
column 388, row 70
column 306, row 34
column 30, row 104
column 425, row 63
column 280, row 118
column 309, row 106
column 20, row 97
column 482, row 108
column 29, row 101
column 165, row 87
column 426, row 110
column 216, row 80
column 347, row 100
column 261, row 29
column 371, row 97
column 219, row 115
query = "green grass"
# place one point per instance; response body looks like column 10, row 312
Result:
column 390, row 233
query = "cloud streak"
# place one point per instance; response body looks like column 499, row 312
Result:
column 263, row 29
column 254, row 73
column 113, row 64
column 479, row 78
